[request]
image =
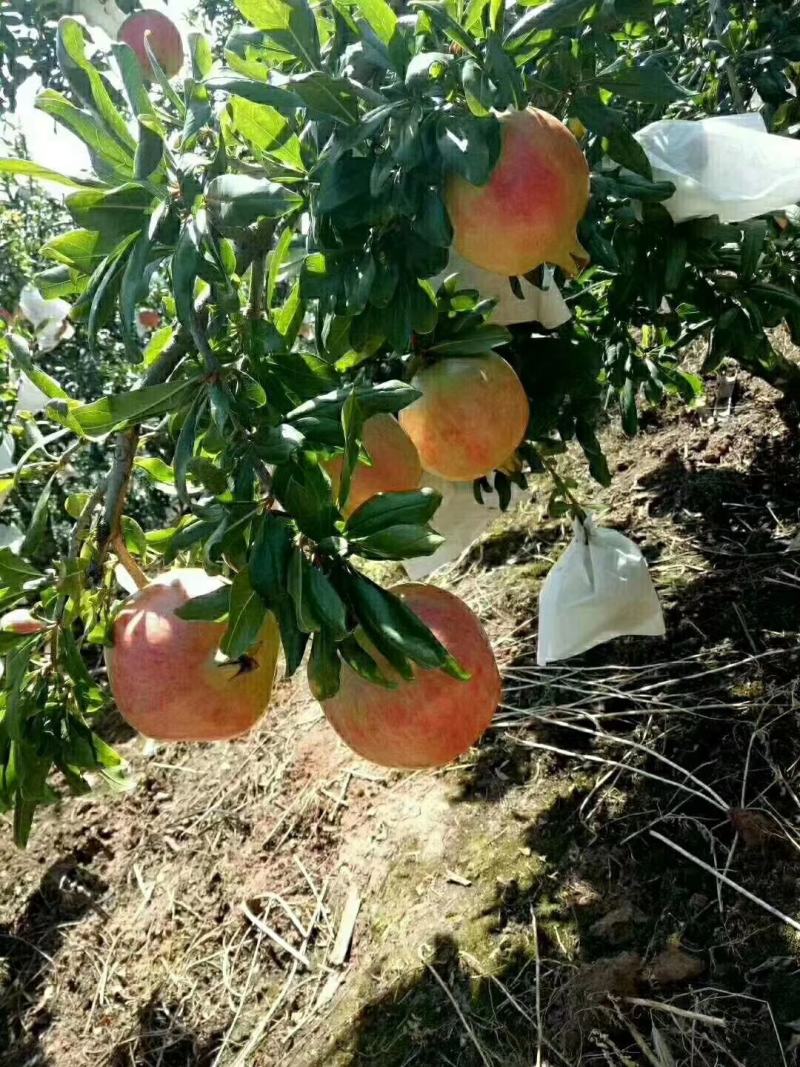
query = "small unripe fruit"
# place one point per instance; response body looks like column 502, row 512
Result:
column 471, row 417
column 434, row 718
column 20, row 621
column 165, row 41
column 165, row 674
column 395, row 463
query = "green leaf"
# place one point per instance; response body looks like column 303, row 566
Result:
column 267, row 130
column 480, row 340
column 504, row 73
column 395, row 630
column 385, row 510
column 290, row 23
column 398, row 542
column 352, row 423
column 257, row 92
column 618, row 141
column 37, row 525
column 15, row 572
column 468, row 145
column 390, row 396
column 87, row 82
column 276, row 259
column 115, row 213
column 236, row 200
column 478, row 88
column 324, row 603
column 323, row 667
column 208, row 607
column 549, row 16
column 360, row 661
column 21, row 355
column 156, row 469
column 380, row 18
column 246, row 616
column 135, row 540
column 326, row 96
column 120, row 409
column 110, row 160
column 24, row 168
column 133, row 288
column 268, row 561
column 646, row 82
column 439, row 15
column 184, row 446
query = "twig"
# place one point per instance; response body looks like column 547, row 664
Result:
column 278, row 940
column 730, row 72
column 695, row 1016
column 258, row 285
column 470, row 1032
column 129, row 563
column 728, row 881
column 119, row 478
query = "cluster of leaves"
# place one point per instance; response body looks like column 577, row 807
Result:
column 286, row 205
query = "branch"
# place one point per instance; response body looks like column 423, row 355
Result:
column 119, row 478
column 258, row 285
column 715, row 11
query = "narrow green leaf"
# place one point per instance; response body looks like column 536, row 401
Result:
column 246, row 616
column 323, row 666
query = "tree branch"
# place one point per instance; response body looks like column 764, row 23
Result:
column 119, row 478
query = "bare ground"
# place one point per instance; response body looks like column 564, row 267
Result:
column 515, row 909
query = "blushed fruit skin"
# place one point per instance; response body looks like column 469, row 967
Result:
column 395, row 463
column 165, row 41
column 434, row 718
column 473, row 413
column 526, row 214
column 163, row 673
column 20, row 621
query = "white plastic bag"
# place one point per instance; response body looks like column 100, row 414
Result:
column 460, row 519
column 599, row 589
column 727, row 166
column 545, row 306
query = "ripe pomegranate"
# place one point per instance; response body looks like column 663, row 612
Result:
column 20, row 621
column 163, row 670
column 165, row 41
column 526, row 213
column 395, row 463
column 471, row 416
column 430, row 720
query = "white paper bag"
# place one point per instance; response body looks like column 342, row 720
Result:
column 599, row 589
column 460, row 519
column 727, row 166
column 546, row 306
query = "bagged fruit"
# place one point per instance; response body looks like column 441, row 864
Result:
column 599, row 589
column 460, row 519
column 545, row 305
column 727, row 166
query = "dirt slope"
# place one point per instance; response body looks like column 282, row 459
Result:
column 512, row 907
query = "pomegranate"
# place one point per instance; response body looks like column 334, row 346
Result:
column 471, row 417
column 526, row 213
column 164, row 673
column 395, row 463
column 165, row 41
column 433, row 718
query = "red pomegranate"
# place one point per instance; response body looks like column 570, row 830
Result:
column 165, row 41
column 430, row 720
column 526, row 213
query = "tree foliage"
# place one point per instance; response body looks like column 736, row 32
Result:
column 283, row 206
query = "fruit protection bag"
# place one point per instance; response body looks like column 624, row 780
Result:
column 460, row 519
column 545, row 305
column 599, row 589
column 727, row 166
